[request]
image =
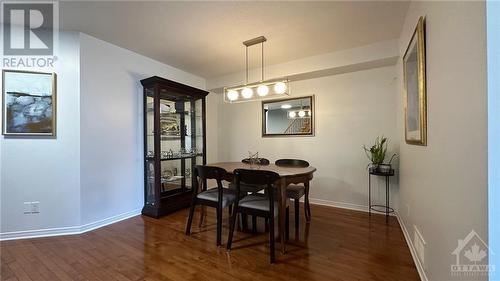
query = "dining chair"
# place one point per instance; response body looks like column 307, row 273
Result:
column 296, row 191
column 256, row 204
column 251, row 188
column 218, row 198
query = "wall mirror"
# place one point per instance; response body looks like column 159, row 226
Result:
column 288, row 117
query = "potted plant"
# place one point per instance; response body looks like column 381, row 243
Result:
column 376, row 154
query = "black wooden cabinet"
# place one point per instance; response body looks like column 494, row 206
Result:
column 174, row 142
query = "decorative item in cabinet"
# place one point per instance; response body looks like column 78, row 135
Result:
column 174, row 143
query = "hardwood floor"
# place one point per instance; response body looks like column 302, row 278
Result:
column 338, row 244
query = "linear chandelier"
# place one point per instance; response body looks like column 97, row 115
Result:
column 257, row 90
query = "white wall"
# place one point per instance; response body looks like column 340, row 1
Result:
column 111, row 126
column 351, row 110
column 91, row 173
column 46, row 169
column 445, row 183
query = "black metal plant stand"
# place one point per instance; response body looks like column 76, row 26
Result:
column 383, row 171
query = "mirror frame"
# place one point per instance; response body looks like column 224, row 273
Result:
column 263, row 115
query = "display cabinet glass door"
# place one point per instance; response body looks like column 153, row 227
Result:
column 180, row 143
column 150, row 190
column 174, row 143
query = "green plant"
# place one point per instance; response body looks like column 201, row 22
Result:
column 376, row 153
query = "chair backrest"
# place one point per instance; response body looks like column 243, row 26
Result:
column 208, row 172
column 256, row 177
column 262, row 161
column 292, row 163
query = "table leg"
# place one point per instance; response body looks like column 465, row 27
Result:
column 282, row 213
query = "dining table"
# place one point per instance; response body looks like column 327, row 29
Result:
column 288, row 175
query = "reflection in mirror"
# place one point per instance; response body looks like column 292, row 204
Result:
column 288, row 117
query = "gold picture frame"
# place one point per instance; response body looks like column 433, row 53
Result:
column 415, row 96
column 29, row 103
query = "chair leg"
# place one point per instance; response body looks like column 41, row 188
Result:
column 239, row 224
column 231, row 228
column 244, row 222
column 230, row 213
column 307, row 209
column 219, row 226
column 297, row 217
column 307, row 206
column 287, row 223
column 271, row 238
column 203, row 215
column 190, row 218
column 254, row 224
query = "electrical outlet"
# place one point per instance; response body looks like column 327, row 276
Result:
column 27, row 207
column 35, row 207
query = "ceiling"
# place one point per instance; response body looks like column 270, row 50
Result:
column 205, row 38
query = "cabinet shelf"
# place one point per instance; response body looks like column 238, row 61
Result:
column 176, row 158
column 167, row 114
column 174, row 137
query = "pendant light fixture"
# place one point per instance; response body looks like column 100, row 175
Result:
column 257, row 90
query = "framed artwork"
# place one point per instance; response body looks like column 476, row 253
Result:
column 29, row 103
column 415, row 87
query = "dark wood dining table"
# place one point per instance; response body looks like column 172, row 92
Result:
column 288, row 175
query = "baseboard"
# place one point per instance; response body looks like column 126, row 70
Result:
column 343, row 205
column 97, row 224
column 67, row 230
column 39, row 233
column 418, row 265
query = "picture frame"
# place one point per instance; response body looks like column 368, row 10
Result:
column 415, row 95
column 282, row 122
column 29, row 103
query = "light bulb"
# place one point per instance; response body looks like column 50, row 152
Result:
column 247, row 93
column 232, row 95
column 280, row 88
column 262, row 90
column 286, row 106
column 302, row 113
column 292, row 114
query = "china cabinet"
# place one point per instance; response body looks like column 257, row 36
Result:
column 174, row 143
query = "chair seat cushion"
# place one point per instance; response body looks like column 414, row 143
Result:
column 249, row 188
column 228, row 196
column 257, row 202
column 295, row 191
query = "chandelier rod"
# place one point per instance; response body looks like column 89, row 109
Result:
column 251, row 42
column 246, row 63
column 262, row 56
